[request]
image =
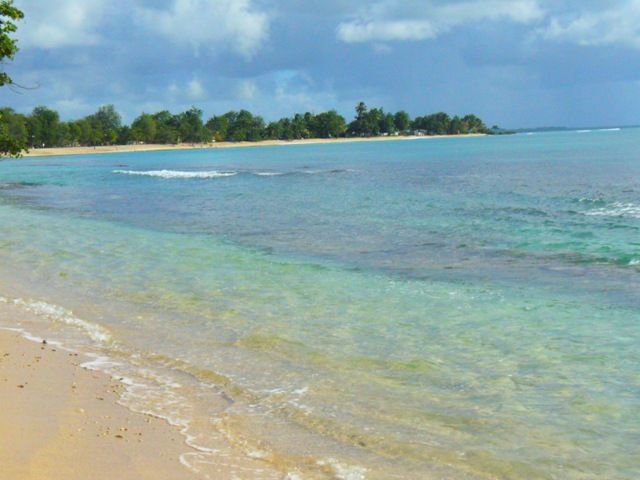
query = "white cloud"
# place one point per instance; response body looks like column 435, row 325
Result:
column 173, row 90
column 195, row 90
column 290, row 100
column 68, row 23
column 615, row 22
column 364, row 31
column 519, row 11
column 192, row 90
column 391, row 21
column 233, row 24
column 246, row 90
column 617, row 25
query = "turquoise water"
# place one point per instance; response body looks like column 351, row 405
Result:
column 437, row 308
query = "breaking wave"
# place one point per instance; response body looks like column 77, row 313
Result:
column 586, row 130
column 616, row 209
column 58, row 314
column 176, row 173
column 209, row 174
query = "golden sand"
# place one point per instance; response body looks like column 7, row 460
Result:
column 61, row 421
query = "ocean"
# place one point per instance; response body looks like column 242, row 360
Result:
column 459, row 308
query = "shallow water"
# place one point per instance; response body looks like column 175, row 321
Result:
column 446, row 308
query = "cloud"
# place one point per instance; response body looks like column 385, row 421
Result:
column 513, row 62
column 232, row 24
column 195, row 90
column 388, row 21
column 68, row 23
column 364, row 31
column 181, row 92
column 617, row 25
column 246, row 90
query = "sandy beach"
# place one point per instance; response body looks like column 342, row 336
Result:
column 61, row 421
column 42, row 152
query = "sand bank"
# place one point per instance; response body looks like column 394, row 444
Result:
column 40, row 152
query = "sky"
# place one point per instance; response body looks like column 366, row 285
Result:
column 515, row 63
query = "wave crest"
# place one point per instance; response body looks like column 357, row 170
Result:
column 56, row 313
column 176, row 173
column 616, row 209
column 208, row 174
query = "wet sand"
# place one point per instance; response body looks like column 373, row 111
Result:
column 59, row 420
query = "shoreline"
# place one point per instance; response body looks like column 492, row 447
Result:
column 59, row 151
column 62, row 420
column 68, row 414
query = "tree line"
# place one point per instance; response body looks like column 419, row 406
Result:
column 44, row 128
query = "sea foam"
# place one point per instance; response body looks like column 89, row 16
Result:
column 617, row 129
column 56, row 313
column 208, row 174
column 616, row 209
column 269, row 174
column 59, row 314
column 176, row 173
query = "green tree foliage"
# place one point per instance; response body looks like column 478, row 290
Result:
column 15, row 123
column 473, row 124
column 374, row 122
column 387, row 124
column 8, row 45
column 323, row 125
column 328, row 125
column 12, row 141
column 218, row 126
column 298, row 127
column 144, row 129
column 402, row 121
column 455, row 126
column 43, row 128
column 13, row 132
column 243, row 126
column 167, row 128
column 82, row 133
column 105, row 123
column 434, row 124
column 191, row 128
column 442, row 124
column 124, row 135
column 360, row 125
